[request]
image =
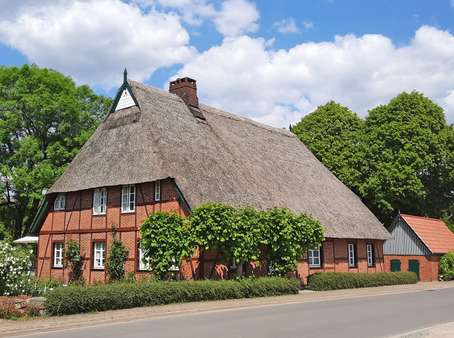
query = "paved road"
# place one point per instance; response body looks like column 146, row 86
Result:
column 366, row 317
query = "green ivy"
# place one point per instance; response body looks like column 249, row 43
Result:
column 116, row 260
column 74, row 261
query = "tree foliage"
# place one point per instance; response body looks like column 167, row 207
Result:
column 75, row 261
column 401, row 157
column 447, row 266
column 237, row 235
column 164, row 241
column 44, row 120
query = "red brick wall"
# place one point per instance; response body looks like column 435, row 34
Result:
column 428, row 265
column 78, row 222
column 335, row 258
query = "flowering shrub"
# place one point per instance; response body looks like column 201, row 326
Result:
column 14, row 267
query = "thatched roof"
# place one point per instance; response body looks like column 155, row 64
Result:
column 226, row 159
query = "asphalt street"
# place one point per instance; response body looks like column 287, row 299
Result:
column 379, row 316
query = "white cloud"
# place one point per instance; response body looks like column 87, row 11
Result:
column 287, row 26
column 278, row 87
column 93, row 40
column 237, row 17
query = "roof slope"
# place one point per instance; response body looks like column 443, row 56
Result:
column 226, row 159
column 433, row 232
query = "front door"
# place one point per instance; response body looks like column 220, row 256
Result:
column 413, row 266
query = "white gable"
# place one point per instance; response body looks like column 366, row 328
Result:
column 125, row 101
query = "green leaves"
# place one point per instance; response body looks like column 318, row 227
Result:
column 44, row 120
column 116, row 259
column 238, row 235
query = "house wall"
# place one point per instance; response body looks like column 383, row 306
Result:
column 77, row 222
column 335, row 258
column 428, row 265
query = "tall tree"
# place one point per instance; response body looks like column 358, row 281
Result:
column 44, row 120
column 409, row 164
column 332, row 132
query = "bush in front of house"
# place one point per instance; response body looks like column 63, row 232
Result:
column 447, row 266
column 80, row 299
column 15, row 264
column 347, row 280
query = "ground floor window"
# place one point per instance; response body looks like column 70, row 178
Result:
column 314, row 258
column 351, row 255
column 58, row 255
column 370, row 255
column 144, row 264
column 99, row 249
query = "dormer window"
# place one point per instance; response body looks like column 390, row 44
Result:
column 128, row 198
column 59, row 203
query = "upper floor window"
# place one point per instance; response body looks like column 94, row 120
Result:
column 157, row 191
column 99, row 201
column 370, row 255
column 314, row 258
column 59, row 203
column 351, row 255
column 99, row 249
column 58, row 255
column 128, row 198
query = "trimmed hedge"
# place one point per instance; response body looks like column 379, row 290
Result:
column 102, row 297
column 347, row 280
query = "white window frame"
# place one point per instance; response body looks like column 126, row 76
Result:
column 370, row 254
column 174, row 267
column 314, row 256
column 351, row 255
column 157, row 191
column 128, row 198
column 99, row 201
column 60, row 202
column 58, row 255
column 144, row 265
column 99, row 255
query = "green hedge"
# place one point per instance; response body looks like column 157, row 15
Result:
column 101, row 297
column 347, row 280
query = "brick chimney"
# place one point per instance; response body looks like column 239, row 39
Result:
column 186, row 88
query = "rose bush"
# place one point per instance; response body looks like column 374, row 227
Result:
column 15, row 265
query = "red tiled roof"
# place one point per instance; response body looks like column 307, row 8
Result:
column 433, row 232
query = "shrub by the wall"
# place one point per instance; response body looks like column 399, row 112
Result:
column 346, row 280
column 101, row 297
column 447, row 266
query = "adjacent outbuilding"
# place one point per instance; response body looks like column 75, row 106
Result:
column 417, row 244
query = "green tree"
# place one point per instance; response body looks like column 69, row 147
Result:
column 165, row 242
column 44, row 120
column 332, row 133
column 408, row 158
column 75, row 261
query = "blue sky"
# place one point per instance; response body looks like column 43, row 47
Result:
column 273, row 61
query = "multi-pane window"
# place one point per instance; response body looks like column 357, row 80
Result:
column 351, row 255
column 314, row 258
column 370, row 254
column 157, row 191
column 59, row 203
column 128, row 198
column 58, row 255
column 144, row 264
column 99, row 249
column 99, row 201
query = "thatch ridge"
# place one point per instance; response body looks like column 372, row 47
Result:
column 226, row 158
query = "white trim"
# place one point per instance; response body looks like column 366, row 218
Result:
column 370, row 254
column 157, row 191
column 27, row 240
column 314, row 258
column 59, row 203
column 128, row 198
column 99, row 251
column 99, row 201
column 125, row 100
column 351, row 255
column 58, row 255
column 144, row 264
